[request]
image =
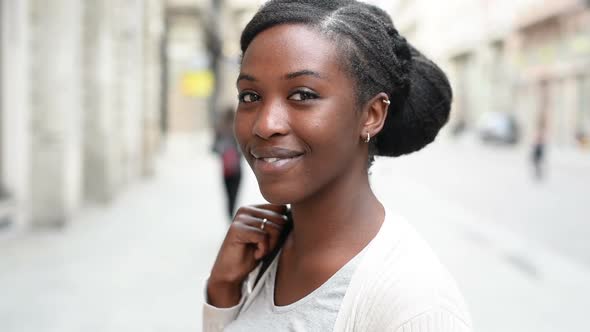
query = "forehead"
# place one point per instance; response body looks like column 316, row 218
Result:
column 289, row 48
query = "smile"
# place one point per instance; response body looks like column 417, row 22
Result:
column 274, row 165
column 274, row 160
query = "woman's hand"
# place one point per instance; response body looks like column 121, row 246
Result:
column 254, row 233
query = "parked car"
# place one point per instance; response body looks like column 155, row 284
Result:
column 498, row 127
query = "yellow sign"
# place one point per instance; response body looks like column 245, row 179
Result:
column 197, row 83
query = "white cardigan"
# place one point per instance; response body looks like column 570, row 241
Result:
column 399, row 285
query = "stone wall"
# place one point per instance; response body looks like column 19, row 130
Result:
column 79, row 111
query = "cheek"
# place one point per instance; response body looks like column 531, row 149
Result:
column 334, row 133
column 242, row 128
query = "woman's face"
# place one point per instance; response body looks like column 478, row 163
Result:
column 297, row 122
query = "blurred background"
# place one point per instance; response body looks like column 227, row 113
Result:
column 113, row 184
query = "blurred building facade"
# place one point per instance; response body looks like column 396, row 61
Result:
column 553, row 43
column 528, row 58
column 88, row 89
column 187, row 62
column 79, row 104
column 202, row 50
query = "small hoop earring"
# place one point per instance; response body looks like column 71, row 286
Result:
column 387, row 101
column 368, row 139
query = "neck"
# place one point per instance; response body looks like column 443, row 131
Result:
column 344, row 217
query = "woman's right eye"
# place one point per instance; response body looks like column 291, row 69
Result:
column 248, row 97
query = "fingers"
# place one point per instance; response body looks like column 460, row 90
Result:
column 255, row 231
column 280, row 209
column 273, row 213
column 258, row 222
column 253, row 236
column 267, row 218
column 273, row 230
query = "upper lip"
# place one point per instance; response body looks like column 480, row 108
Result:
column 274, row 152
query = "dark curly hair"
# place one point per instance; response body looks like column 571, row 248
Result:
column 379, row 59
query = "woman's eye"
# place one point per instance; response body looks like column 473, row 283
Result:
column 248, row 97
column 303, row 95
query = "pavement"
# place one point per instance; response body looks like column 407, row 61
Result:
column 139, row 263
column 136, row 265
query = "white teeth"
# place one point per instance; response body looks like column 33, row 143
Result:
column 275, row 159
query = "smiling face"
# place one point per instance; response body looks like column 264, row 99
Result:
column 297, row 121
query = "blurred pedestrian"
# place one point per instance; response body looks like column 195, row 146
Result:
column 225, row 145
column 582, row 139
column 324, row 86
column 538, row 158
column 539, row 149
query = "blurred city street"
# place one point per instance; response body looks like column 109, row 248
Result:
column 515, row 247
column 112, row 203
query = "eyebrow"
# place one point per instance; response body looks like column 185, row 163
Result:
column 246, row 77
column 288, row 76
column 304, row 73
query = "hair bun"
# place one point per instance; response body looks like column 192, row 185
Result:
column 414, row 122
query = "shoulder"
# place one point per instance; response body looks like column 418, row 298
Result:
column 402, row 276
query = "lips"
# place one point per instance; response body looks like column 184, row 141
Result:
column 274, row 159
column 273, row 154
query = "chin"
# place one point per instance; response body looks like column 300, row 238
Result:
column 278, row 194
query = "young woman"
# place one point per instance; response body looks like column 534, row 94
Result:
column 324, row 86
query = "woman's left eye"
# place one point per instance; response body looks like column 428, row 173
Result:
column 303, row 95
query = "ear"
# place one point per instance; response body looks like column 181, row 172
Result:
column 374, row 115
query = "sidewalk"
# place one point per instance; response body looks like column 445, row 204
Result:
column 137, row 265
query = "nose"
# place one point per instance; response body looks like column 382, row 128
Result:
column 271, row 120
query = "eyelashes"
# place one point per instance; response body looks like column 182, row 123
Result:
column 299, row 95
column 248, row 97
column 302, row 95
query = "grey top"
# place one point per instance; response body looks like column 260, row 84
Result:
column 315, row 312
